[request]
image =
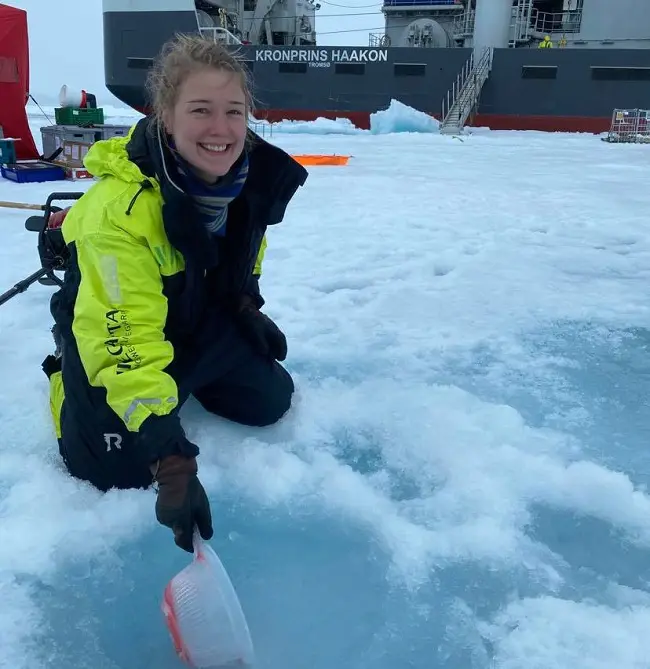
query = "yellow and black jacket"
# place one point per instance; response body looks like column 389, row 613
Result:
column 144, row 271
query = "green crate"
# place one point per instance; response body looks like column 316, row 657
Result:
column 75, row 116
column 7, row 152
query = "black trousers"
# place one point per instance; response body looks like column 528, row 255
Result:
column 225, row 375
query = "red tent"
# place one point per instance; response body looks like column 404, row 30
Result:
column 14, row 80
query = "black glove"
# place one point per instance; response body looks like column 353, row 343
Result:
column 182, row 502
column 261, row 332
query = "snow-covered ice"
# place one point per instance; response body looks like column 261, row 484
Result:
column 462, row 481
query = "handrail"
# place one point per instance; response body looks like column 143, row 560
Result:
column 569, row 21
column 220, row 35
column 478, row 73
column 461, row 78
column 464, row 24
column 527, row 21
column 378, row 39
column 522, row 20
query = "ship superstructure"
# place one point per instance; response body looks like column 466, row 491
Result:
column 518, row 23
column 474, row 61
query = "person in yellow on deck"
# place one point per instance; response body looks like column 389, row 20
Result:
column 161, row 298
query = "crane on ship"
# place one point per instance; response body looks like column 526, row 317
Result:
column 260, row 22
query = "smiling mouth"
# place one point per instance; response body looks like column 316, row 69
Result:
column 215, row 148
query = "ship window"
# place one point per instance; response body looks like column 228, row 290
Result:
column 409, row 69
column 293, row 68
column 539, row 72
column 620, row 73
column 350, row 68
column 9, row 70
column 139, row 63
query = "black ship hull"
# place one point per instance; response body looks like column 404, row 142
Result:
column 571, row 90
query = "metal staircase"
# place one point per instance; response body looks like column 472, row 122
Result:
column 463, row 97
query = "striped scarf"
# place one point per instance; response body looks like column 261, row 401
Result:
column 212, row 200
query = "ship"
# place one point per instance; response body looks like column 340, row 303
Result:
column 464, row 62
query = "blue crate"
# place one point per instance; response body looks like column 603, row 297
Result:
column 7, row 151
column 32, row 171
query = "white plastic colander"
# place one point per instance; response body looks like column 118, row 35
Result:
column 203, row 614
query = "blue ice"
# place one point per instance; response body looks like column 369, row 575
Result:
column 462, row 482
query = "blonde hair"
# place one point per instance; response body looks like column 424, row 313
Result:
column 183, row 55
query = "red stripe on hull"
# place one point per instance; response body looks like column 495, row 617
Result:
column 591, row 124
column 361, row 120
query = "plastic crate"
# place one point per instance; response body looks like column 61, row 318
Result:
column 7, row 151
column 109, row 131
column 50, row 139
column 32, row 171
column 54, row 136
column 76, row 116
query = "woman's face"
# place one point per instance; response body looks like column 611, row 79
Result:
column 208, row 122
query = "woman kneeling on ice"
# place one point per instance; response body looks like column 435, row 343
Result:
column 161, row 298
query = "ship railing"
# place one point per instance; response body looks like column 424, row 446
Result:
column 522, row 20
column 477, row 78
column 545, row 23
column 220, row 35
column 378, row 40
column 431, row 5
column 463, row 96
column 457, row 86
column 463, row 25
column 261, row 128
column 527, row 22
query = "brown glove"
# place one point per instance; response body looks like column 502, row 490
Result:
column 182, row 503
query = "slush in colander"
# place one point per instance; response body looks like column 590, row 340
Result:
column 204, row 616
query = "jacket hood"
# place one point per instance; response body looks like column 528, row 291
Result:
column 110, row 157
column 141, row 158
